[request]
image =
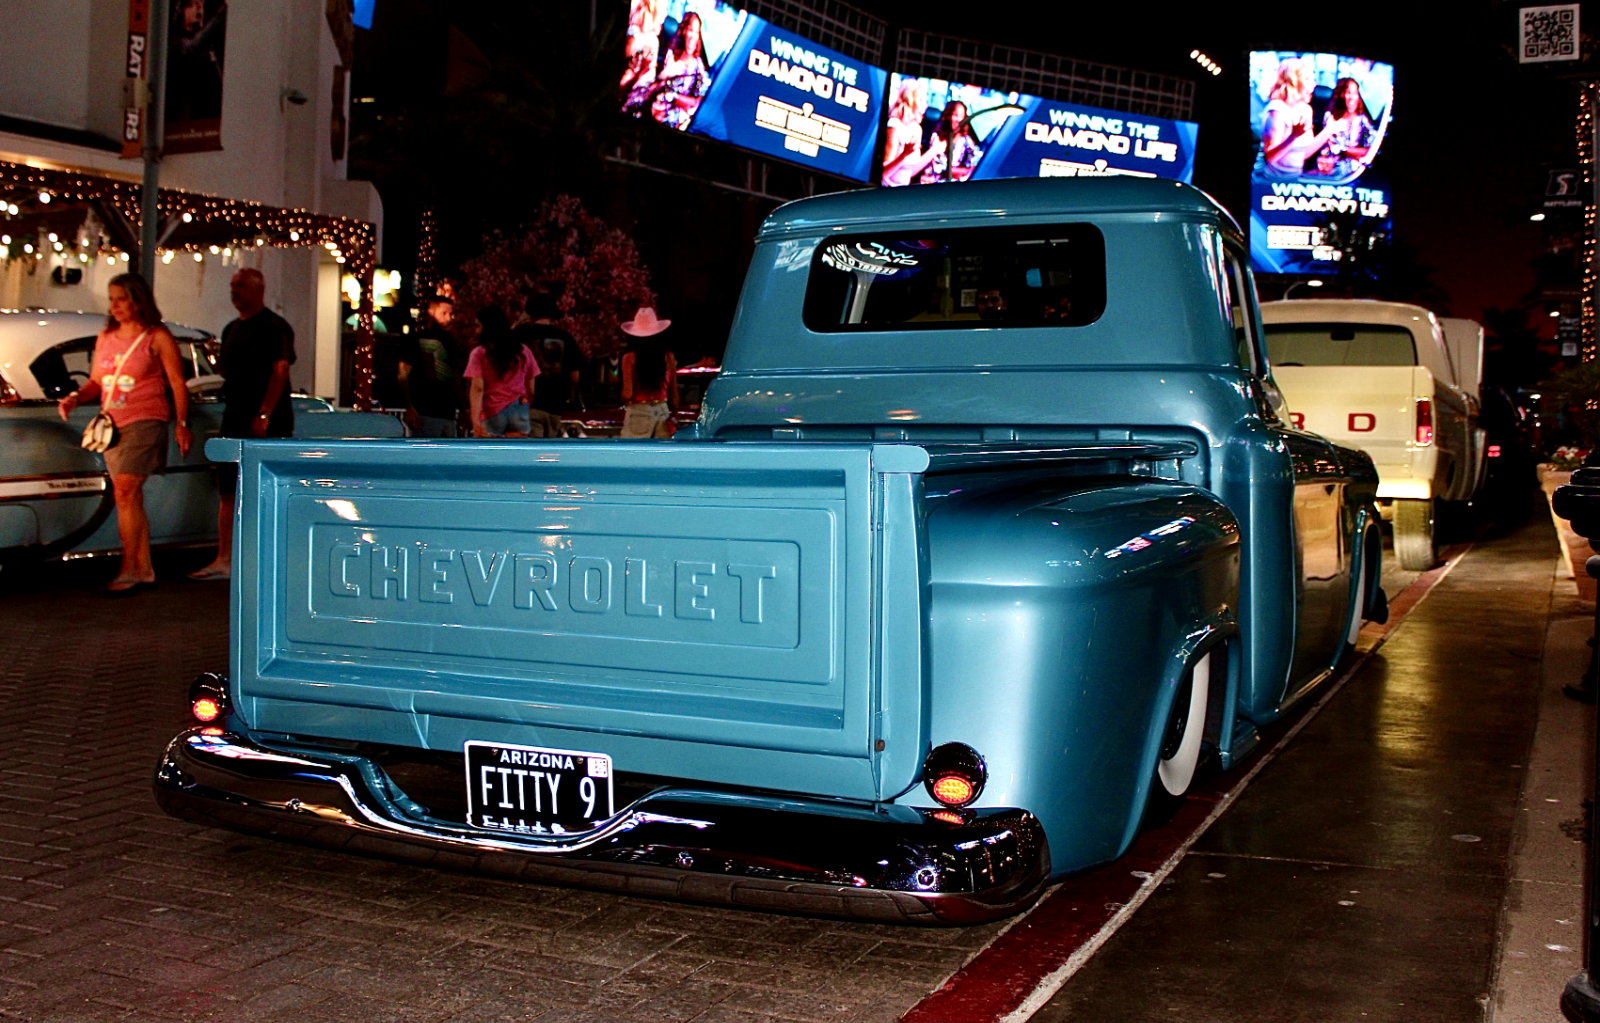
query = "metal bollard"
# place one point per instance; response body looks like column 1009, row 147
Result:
column 1579, row 503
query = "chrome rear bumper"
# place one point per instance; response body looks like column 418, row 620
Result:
column 792, row 855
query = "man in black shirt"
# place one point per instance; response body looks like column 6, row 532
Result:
column 257, row 350
column 428, row 373
column 561, row 361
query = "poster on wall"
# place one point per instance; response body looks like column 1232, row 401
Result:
column 710, row 69
column 196, row 48
column 942, row 131
column 1319, row 121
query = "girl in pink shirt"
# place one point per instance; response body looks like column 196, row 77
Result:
column 502, row 371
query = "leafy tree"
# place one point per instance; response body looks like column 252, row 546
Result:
column 593, row 269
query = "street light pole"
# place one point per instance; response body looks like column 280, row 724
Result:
column 154, row 132
column 1309, row 282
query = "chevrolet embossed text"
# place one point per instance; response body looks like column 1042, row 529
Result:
column 586, row 585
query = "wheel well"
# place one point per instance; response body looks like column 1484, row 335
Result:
column 1372, row 567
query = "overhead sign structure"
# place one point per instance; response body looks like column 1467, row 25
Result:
column 708, row 68
column 942, row 131
column 1319, row 121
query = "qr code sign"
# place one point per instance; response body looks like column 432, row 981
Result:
column 1548, row 33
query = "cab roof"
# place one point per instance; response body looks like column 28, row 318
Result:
column 1028, row 198
column 1345, row 310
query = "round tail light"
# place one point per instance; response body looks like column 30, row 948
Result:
column 208, row 698
column 954, row 774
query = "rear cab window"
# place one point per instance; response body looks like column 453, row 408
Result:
column 973, row 278
column 1340, row 344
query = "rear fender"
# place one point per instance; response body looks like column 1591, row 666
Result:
column 1062, row 617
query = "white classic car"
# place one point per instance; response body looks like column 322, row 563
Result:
column 55, row 498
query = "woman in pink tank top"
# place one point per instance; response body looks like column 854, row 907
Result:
column 135, row 366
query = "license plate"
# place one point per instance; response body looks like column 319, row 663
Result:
column 530, row 790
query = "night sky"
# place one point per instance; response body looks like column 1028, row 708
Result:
column 1471, row 136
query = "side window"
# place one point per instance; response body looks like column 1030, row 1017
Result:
column 1241, row 306
column 64, row 368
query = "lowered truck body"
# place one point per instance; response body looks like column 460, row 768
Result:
column 927, row 610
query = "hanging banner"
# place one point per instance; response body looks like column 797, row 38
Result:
column 135, row 96
column 945, row 131
column 196, row 41
column 1319, row 121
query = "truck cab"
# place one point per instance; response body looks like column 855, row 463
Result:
column 1400, row 384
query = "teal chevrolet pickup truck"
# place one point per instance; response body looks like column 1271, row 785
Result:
column 992, row 532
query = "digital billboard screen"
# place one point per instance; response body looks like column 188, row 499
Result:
column 1319, row 121
column 710, row 69
column 946, row 131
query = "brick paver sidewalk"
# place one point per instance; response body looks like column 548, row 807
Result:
column 111, row 910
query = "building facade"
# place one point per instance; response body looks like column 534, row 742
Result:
column 283, row 127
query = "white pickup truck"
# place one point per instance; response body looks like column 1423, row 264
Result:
column 1397, row 382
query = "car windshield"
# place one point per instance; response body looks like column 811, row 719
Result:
column 65, row 368
column 1052, row 276
column 1340, row 344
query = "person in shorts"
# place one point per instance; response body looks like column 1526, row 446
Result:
column 137, row 374
column 257, row 351
column 649, row 378
column 502, row 372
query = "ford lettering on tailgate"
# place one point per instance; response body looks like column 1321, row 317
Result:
column 544, row 588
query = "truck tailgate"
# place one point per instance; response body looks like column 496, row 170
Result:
column 738, row 613
column 1367, row 407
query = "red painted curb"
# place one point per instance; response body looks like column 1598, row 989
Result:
column 1005, row 975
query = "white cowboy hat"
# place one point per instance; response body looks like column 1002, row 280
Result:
column 645, row 323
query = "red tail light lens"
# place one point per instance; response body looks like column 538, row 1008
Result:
column 1494, row 451
column 953, row 790
column 208, row 698
column 954, row 774
column 1424, row 422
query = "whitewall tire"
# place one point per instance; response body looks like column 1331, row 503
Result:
column 1175, row 770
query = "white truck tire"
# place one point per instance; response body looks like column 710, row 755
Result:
column 1414, row 541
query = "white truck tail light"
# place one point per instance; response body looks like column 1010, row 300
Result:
column 1424, row 422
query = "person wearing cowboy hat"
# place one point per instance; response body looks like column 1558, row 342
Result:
column 649, row 378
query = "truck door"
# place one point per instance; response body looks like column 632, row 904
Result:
column 1320, row 551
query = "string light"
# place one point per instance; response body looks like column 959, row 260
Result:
column 1586, row 156
column 241, row 221
column 427, row 252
